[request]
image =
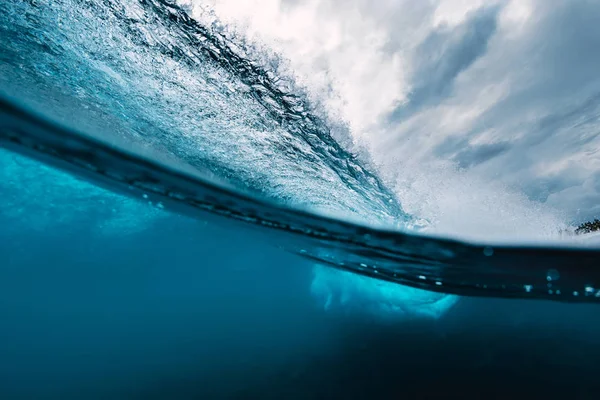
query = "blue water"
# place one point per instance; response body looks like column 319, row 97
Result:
column 192, row 310
column 187, row 309
column 111, row 294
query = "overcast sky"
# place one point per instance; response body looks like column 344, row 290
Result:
column 507, row 92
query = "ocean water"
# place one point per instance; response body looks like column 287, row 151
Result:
column 178, row 221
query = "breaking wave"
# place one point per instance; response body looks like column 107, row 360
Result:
column 142, row 76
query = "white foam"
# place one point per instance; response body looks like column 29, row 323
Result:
column 360, row 59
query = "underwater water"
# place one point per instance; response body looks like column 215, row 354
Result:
column 178, row 221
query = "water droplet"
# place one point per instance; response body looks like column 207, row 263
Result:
column 550, row 291
column 363, row 265
column 422, row 277
column 160, row 205
column 145, row 196
column 552, row 275
column 488, row 251
column 557, row 291
column 528, row 288
column 589, row 289
column 575, row 293
column 438, row 283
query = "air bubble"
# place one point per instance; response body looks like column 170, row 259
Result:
column 589, row 289
column 488, row 251
column 552, row 275
column 145, row 196
column 576, row 293
column 422, row 277
column 438, row 283
column 528, row 288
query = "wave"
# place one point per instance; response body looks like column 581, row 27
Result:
column 150, row 75
column 140, row 98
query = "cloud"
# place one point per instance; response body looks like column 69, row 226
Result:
column 443, row 55
column 525, row 112
column 474, row 155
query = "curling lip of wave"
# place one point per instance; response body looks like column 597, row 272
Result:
column 154, row 76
